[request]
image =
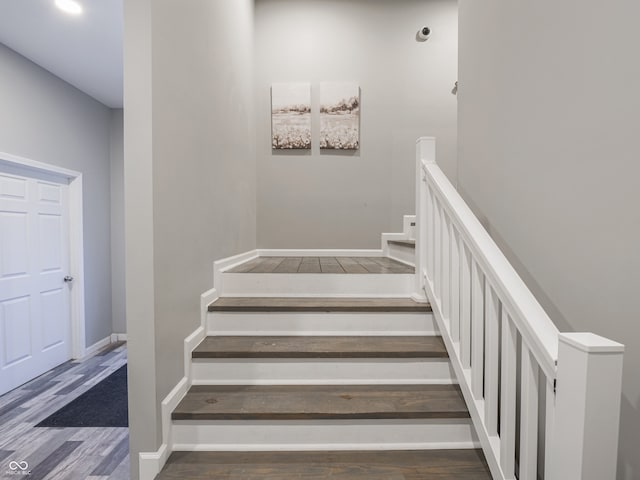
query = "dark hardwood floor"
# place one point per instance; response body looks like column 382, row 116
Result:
column 342, row 465
column 363, row 265
column 320, row 402
column 320, row 347
column 317, row 304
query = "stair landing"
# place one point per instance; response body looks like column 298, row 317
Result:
column 361, row 265
column 340, row 465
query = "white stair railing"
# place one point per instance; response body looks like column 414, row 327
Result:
column 545, row 405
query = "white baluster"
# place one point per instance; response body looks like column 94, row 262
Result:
column 446, row 267
column 477, row 331
column 528, row 416
column 437, row 251
column 430, row 227
column 508, row 385
column 454, row 315
column 550, row 413
column 492, row 351
column 465, row 305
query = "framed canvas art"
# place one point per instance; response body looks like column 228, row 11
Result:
column 339, row 116
column 291, row 116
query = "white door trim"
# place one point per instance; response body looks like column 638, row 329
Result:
column 76, row 239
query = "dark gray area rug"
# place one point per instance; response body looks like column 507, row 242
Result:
column 104, row 405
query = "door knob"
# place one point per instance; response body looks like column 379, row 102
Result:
column 68, row 279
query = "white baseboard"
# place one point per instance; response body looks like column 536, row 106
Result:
column 151, row 463
column 220, row 266
column 96, row 346
column 118, row 337
column 271, row 252
column 296, row 447
column 100, row 344
column 206, row 299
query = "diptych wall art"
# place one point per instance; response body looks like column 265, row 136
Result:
column 291, row 116
column 339, row 116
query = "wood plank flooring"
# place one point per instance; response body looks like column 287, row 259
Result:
column 317, row 304
column 340, row 465
column 320, row 402
column 362, row 265
column 320, row 347
column 63, row 453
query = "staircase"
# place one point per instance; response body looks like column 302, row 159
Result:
column 317, row 367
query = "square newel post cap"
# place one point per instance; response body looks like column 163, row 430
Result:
column 591, row 343
column 426, row 149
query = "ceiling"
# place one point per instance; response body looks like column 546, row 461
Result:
column 83, row 50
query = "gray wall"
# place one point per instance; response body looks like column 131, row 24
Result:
column 548, row 157
column 189, row 180
column 116, row 135
column 44, row 118
column 334, row 200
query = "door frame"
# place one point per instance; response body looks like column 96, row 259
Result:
column 76, row 241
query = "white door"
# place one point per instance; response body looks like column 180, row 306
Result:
column 35, row 322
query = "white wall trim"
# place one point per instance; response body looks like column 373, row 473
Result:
column 318, row 253
column 206, row 299
column 36, row 166
column 76, row 259
column 76, row 242
column 219, row 266
column 151, row 463
column 100, row 344
column 296, row 447
column 118, row 337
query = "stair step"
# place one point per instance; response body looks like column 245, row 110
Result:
column 403, row 243
column 339, row 465
column 320, row 347
column 317, row 304
column 321, row 402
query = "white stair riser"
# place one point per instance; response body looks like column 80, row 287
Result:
column 348, row 371
column 323, row 435
column 318, row 285
column 404, row 254
column 299, row 323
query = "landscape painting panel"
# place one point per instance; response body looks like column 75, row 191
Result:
column 290, row 116
column 339, row 116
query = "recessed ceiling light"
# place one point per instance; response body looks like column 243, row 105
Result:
column 69, row 6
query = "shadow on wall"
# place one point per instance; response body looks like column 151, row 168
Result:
column 554, row 313
column 628, row 450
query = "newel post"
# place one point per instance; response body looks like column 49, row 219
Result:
column 425, row 154
column 587, row 409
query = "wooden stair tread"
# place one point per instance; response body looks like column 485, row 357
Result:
column 320, row 402
column 403, row 243
column 320, row 347
column 317, row 304
column 338, row 465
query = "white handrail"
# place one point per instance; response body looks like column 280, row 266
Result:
column 531, row 320
column 567, row 388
